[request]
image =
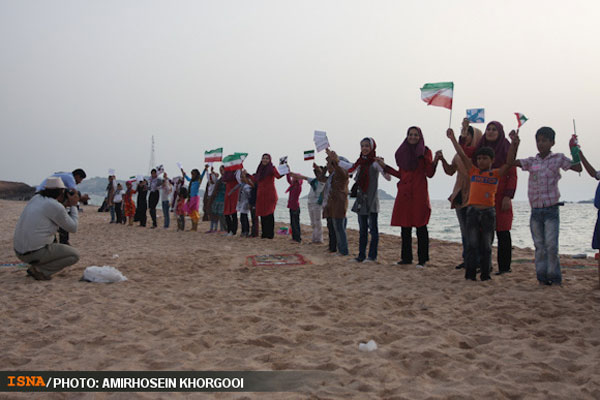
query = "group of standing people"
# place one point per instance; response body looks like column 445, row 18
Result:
column 482, row 197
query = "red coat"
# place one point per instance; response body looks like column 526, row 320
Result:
column 412, row 207
column 231, row 199
column 506, row 188
column 266, row 195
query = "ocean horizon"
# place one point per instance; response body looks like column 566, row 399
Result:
column 577, row 222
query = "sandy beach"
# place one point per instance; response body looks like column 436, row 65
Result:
column 193, row 302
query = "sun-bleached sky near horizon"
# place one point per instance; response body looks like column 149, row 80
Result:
column 88, row 83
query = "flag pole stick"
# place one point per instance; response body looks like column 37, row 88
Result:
column 574, row 128
column 450, row 121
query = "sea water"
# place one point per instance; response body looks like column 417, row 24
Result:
column 577, row 222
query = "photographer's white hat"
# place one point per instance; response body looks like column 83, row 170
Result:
column 54, row 182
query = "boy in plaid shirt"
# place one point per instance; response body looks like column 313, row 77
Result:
column 544, row 174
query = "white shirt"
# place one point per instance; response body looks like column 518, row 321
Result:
column 40, row 220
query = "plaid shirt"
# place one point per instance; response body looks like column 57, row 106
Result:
column 544, row 174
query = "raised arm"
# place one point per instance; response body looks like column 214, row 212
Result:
column 588, row 167
column 512, row 153
column 459, row 150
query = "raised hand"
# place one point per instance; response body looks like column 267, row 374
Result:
column 450, row 134
column 514, row 136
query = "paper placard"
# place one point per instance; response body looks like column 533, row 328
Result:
column 476, row 115
column 283, row 169
column 179, row 165
column 111, row 171
column 321, row 141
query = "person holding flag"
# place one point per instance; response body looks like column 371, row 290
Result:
column 495, row 139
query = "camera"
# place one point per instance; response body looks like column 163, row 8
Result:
column 71, row 192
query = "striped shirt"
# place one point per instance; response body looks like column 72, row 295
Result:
column 544, row 174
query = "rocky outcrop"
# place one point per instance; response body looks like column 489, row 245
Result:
column 15, row 191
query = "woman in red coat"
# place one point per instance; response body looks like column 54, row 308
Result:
column 412, row 207
column 266, row 195
column 494, row 138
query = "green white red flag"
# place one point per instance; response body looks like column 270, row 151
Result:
column 521, row 119
column 438, row 94
column 234, row 161
column 213, row 155
column 309, row 155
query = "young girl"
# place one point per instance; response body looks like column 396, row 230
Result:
column 266, row 195
column 495, row 139
column 118, row 203
column 243, row 205
column 315, row 200
column 412, row 207
column 231, row 179
column 128, row 202
column 218, row 201
column 180, row 209
column 213, row 177
column 193, row 203
column 367, row 198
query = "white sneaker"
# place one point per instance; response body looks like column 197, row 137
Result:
column 420, row 266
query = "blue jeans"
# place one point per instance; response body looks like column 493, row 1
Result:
column 368, row 223
column 166, row 217
column 481, row 225
column 339, row 225
column 461, row 214
column 544, row 224
column 111, row 209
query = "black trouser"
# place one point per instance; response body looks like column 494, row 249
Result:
column 422, row 244
column 295, row 223
column 152, row 203
column 268, row 226
column 181, row 222
column 504, row 250
column 232, row 223
column 142, row 217
column 245, row 224
column 119, row 211
column 254, row 221
column 332, row 237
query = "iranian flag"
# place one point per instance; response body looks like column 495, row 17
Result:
column 521, row 119
column 234, row 161
column 213, row 155
column 309, row 155
column 438, row 94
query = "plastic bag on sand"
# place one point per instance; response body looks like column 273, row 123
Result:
column 103, row 274
column 369, row 346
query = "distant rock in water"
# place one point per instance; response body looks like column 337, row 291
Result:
column 16, row 191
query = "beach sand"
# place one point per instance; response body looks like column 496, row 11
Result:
column 192, row 302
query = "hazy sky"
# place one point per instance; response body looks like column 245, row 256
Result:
column 87, row 83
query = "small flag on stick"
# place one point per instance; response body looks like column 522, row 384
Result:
column 213, row 155
column 521, row 119
column 234, row 161
column 476, row 115
column 309, row 155
column 438, row 94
